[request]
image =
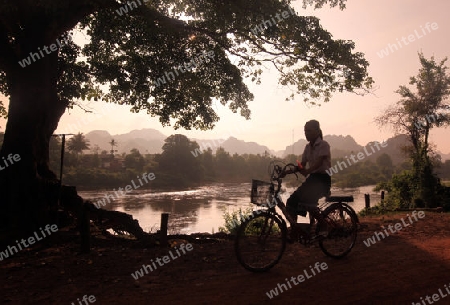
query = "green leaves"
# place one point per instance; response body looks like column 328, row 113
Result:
column 416, row 113
column 128, row 54
column 78, row 143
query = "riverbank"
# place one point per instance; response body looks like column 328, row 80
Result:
column 399, row 269
column 199, row 209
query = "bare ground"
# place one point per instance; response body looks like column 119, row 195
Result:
column 400, row 269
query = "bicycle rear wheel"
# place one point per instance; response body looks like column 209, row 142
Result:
column 340, row 226
column 260, row 242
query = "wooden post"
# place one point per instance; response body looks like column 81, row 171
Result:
column 61, row 165
column 382, row 196
column 85, row 228
column 163, row 229
column 367, row 199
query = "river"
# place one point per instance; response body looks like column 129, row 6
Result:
column 199, row 209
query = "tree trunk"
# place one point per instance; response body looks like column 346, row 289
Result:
column 34, row 113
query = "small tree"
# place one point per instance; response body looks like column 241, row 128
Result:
column 134, row 160
column 415, row 114
column 113, row 144
column 385, row 164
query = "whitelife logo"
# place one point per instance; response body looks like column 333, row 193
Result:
column 393, row 228
column 161, row 261
column 53, row 47
column 297, row 280
column 10, row 158
column 31, row 240
column 132, row 4
column 266, row 23
column 411, row 38
column 194, row 63
column 146, row 176
column 360, row 155
column 436, row 297
column 85, row 300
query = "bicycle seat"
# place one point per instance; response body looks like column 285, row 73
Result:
column 339, row 199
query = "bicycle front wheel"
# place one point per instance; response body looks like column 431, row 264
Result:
column 260, row 242
column 340, row 228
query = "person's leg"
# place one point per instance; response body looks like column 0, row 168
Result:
column 292, row 208
column 292, row 203
column 316, row 187
column 307, row 195
column 301, row 195
column 319, row 187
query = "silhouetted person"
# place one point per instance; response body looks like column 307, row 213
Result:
column 318, row 183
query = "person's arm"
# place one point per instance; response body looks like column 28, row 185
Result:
column 297, row 168
column 316, row 165
column 290, row 171
column 324, row 154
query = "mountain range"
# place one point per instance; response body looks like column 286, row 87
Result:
column 147, row 141
column 150, row 141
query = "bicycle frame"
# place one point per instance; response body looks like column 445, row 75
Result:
column 276, row 188
column 280, row 203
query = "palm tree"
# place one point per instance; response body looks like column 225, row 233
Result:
column 77, row 144
column 113, row 143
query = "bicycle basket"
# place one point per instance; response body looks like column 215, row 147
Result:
column 261, row 193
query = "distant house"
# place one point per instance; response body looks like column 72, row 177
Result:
column 111, row 162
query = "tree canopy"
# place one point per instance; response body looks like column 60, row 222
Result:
column 131, row 46
column 126, row 53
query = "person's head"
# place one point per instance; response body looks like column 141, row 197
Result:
column 312, row 130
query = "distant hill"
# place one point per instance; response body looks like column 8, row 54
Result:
column 147, row 141
column 234, row 146
column 340, row 146
column 393, row 149
column 296, row 149
column 444, row 157
column 150, row 141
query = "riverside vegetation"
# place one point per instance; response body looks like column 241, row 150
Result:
column 176, row 167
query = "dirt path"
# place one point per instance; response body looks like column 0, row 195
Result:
column 400, row 269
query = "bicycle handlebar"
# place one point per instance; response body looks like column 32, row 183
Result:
column 279, row 172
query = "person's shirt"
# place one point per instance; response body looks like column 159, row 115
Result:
column 311, row 154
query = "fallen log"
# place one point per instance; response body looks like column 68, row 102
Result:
column 85, row 210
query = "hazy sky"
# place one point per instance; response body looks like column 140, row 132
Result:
column 372, row 25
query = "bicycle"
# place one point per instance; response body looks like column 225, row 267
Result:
column 261, row 238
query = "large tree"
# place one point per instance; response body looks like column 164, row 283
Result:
column 178, row 162
column 131, row 46
column 416, row 114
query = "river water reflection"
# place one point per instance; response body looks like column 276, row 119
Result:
column 200, row 209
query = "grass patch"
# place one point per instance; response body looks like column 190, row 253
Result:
column 379, row 209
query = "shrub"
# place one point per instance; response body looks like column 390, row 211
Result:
column 234, row 219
